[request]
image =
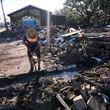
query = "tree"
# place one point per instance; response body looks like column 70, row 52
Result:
column 86, row 9
column 4, row 14
column 72, row 18
column 105, row 6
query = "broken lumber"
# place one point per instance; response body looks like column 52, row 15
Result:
column 88, row 80
column 96, row 34
column 72, row 96
column 65, row 88
column 62, row 102
column 99, row 42
column 97, row 49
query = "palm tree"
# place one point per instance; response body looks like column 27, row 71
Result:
column 3, row 14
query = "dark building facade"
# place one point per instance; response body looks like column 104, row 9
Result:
column 58, row 20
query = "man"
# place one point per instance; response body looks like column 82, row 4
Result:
column 31, row 41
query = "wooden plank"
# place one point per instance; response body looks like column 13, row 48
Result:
column 62, row 102
column 96, row 34
column 71, row 33
column 99, row 42
column 96, row 49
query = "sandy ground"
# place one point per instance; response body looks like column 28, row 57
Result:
column 13, row 58
column 2, row 29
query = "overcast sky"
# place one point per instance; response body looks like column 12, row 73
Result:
column 13, row 5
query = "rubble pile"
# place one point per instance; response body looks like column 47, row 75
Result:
column 85, row 91
column 8, row 96
column 88, row 90
column 76, row 48
column 98, row 46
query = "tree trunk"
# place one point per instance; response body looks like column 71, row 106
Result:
column 4, row 15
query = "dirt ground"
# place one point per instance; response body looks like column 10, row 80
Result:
column 13, row 57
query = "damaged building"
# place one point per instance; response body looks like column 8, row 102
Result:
column 41, row 16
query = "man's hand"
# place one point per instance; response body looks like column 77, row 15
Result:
column 25, row 42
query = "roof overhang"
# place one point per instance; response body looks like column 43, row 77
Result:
column 27, row 11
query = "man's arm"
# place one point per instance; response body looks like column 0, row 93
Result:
column 25, row 40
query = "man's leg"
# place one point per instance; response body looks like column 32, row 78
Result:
column 29, row 53
column 39, row 63
column 39, row 58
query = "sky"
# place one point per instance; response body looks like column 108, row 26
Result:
column 13, row 5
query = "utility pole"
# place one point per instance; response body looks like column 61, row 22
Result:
column 4, row 15
column 48, row 28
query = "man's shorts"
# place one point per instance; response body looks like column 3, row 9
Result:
column 32, row 51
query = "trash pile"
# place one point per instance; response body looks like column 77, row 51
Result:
column 99, row 46
column 77, row 48
column 88, row 90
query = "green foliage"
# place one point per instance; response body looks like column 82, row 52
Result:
column 87, row 12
